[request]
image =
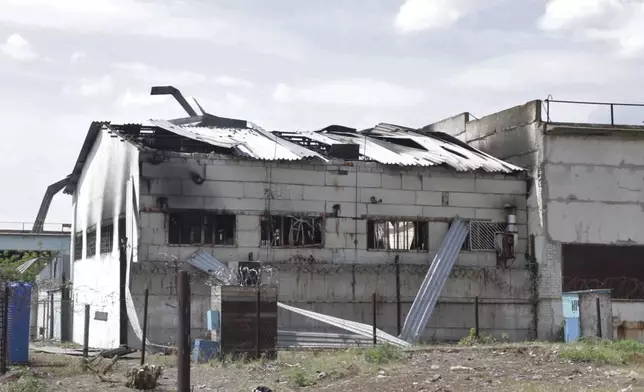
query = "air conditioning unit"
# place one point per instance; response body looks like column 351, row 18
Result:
column 504, row 243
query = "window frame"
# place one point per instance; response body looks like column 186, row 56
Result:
column 203, row 217
column 421, row 229
column 78, row 241
column 316, row 221
column 107, row 231
column 90, row 239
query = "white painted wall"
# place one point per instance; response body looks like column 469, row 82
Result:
column 101, row 195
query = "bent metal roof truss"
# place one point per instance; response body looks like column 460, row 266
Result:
column 386, row 144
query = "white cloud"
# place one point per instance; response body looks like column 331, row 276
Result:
column 92, row 87
column 230, row 81
column 132, row 99
column 77, row 57
column 17, row 48
column 619, row 22
column 355, row 92
column 417, row 15
column 173, row 20
column 542, row 70
column 152, row 75
column 235, row 101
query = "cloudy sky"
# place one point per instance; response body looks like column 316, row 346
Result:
column 291, row 64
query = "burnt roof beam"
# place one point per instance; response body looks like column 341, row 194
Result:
column 171, row 90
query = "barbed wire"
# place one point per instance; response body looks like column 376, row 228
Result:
column 622, row 287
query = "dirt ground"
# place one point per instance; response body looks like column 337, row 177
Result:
column 538, row 367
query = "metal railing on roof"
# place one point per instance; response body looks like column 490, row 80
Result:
column 609, row 110
column 27, row 227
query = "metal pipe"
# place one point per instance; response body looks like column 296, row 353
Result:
column 258, row 324
column 86, row 337
column 375, row 335
column 145, row 326
column 596, row 103
column 398, row 305
column 612, row 116
column 476, row 317
column 599, row 320
column 183, row 357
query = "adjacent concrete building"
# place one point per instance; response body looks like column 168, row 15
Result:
column 585, row 204
column 330, row 212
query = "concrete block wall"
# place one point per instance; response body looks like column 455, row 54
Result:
column 160, row 279
column 250, row 188
column 517, row 136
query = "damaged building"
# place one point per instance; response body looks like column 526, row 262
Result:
column 335, row 215
column 585, row 199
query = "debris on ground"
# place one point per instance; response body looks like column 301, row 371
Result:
column 143, row 378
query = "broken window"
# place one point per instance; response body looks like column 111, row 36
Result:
column 291, row 231
column 201, row 228
column 91, row 242
column 397, row 235
column 78, row 245
column 107, row 235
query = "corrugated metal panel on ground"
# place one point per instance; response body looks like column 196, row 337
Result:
column 347, row 325
column 432, row 286
column 320, row 340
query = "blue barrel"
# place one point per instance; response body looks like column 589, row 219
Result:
column 18, row 322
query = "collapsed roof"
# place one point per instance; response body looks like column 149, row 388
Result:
column 387, row 144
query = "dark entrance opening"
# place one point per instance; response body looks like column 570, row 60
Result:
column 616, row 267
column 123, row 327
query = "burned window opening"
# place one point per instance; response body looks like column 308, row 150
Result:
column 107, row 238
column 91, row 242
column 201, row 228
column 291, row 231
column 397, row 235
column 78, row 245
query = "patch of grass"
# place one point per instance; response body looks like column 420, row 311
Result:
column 604, row 351
column 482, row 339
column 382, row 354
column 303, row 369
column 26, row 383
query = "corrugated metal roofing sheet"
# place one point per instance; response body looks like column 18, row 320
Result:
column 211, row 266
column 386, row 143
column 432, row 286
column 252, row 142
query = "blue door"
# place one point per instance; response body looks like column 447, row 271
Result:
column 570, row 303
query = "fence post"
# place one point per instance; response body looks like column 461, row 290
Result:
column 599, row 317
column 375, row 335
column 5, row 329
column 257, row 336
column 398, row 311
column 145, row 326
column 612, row 115
column 183, row 358
column 476, row 317
column 86, row 337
